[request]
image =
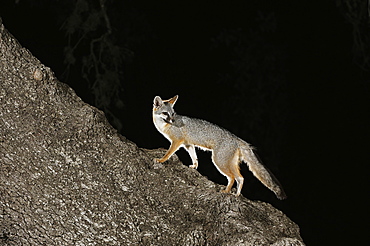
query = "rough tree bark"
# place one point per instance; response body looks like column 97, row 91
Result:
column 68, row 178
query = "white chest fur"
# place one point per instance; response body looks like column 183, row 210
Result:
column 161, row 126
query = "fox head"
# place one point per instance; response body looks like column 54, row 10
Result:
column 163, row 109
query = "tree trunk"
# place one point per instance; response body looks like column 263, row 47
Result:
column 68, row 178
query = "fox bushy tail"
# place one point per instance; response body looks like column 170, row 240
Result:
column 260, row 171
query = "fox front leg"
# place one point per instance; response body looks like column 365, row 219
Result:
column 175, row 145
column 193, row 155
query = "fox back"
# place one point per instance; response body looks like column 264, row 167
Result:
column 201, row 133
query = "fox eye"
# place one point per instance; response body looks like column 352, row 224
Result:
column 165, row 113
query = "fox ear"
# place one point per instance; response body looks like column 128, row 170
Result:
column 173, row 100
column 157, row 102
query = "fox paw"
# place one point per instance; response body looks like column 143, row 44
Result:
column 157, row 164
column 194, row 166
column 229, row 192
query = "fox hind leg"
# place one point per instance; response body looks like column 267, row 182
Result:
column 240, row 182
column 229, row 167
column 235, row 170
column 230, row 183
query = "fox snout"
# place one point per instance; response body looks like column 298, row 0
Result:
column 168, row 117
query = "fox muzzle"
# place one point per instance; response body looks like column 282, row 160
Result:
column 170, row 119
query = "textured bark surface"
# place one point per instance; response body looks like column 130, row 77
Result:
column 68, row 178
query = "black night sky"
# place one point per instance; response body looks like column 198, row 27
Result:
column 279, row 74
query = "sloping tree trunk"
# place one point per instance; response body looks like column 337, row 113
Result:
column 68, row 178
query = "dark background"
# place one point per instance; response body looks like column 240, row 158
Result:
column 287, row 76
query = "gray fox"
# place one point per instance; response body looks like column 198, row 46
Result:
column 227, row 149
